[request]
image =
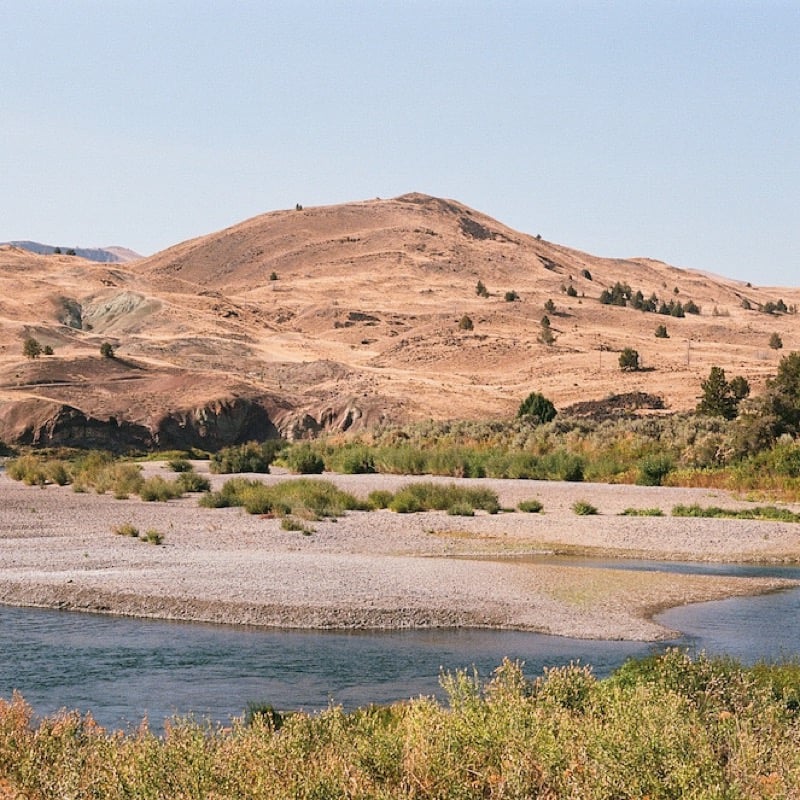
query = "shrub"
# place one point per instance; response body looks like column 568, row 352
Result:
column 572, row 291
column 47, row 350
column 642, row 512
column 127, row 529
column 292, row 524
column 480, row 289
column 461, row 509
column 775, row 341
column 31, row 348
column 465, row 323
column 430, row 496
column 191, row 482
column 653, row 469
column 511, row 296
column 249, row 457
column 273, row 276
column 180, row 465
column 153, row 536
column 530, row 506
column 721, row 397
column 536, row 408
column 30, row 469
column 302, row 459
column 586, row 274
column 550, row 306
column 583, row 508
column 661, row 332
column 156, row 489
column 629, row 360
column 107, row 350
column 303, row 497
column 379, row 498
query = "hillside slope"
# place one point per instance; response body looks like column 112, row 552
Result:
column 344, row 316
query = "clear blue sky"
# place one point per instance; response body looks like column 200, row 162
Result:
column 663, row 129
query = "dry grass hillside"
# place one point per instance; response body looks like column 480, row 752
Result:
column 343, row 316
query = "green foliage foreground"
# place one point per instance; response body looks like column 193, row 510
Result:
column 665, row 727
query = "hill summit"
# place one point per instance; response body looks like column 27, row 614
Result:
column 342, row 317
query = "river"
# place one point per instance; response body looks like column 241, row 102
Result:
column 124, row 669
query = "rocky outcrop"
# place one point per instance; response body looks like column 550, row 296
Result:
column 215, row 425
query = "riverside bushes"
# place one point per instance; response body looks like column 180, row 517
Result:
column 664, row 727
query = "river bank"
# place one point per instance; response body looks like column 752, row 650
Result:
column 380, row 570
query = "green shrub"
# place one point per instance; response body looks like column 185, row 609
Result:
column 120, row 478
column 30, row 469
column 292, row 524
column 530, row 506
column 351, row 459
column 430, row 496
column 770, row 513
column 303, row 459
column 180, row 465
column 661, row 332
column 153, row 536
column 583, row 509
column 308, row 498
column 653, row 469
column 465, row 323
column 159, row 490
column 536, row 408
column 380, row 498
column 642, row 512
column 629, row 360
column 191, row 482
column 249, row 457
column 511, row 296
column 127, row 529
column 461, row 510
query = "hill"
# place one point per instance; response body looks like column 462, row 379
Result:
column 341, row 317
column 105, row 255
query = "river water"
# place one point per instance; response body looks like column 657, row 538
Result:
column 125, row 669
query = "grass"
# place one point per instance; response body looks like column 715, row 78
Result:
column 127, row 529
column 583, row 508
column 431, row 496
column 307, row 498
column 642, row 512
column 293, row 524
column 157, row 489
column 663, row 727
column 530, row 506
column 771, row 513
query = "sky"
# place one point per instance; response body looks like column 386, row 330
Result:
column 669, row 130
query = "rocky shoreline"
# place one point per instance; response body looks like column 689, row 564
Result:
column 381, row 570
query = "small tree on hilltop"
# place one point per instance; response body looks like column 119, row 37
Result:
column 629, row 360
column 536, row 408
column 31, row 348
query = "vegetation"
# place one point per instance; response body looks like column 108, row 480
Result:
column 536, row 408
column 772, row 513
column 303, row 460
column 661, row 332
column 465, row 323
column 642, row 512
column 157, row 489
column 457, row 500
column 583, row 508
column 107, row 350
column 511, row 296
column 721, row 397
column 664, row 727
column 480, row 289
column 530, row 506
column 775, row 341
column 629, row 360
column 307, row 498
column 127, row 529
column 31, row 348
column 546, row 335
column 249, row 457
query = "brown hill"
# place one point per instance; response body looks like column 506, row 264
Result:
column 343, row 316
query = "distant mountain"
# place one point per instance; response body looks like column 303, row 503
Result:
column 104, row 255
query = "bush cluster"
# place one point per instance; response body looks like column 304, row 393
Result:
column 665, row 727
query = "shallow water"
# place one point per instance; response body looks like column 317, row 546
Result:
column 124, row 669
